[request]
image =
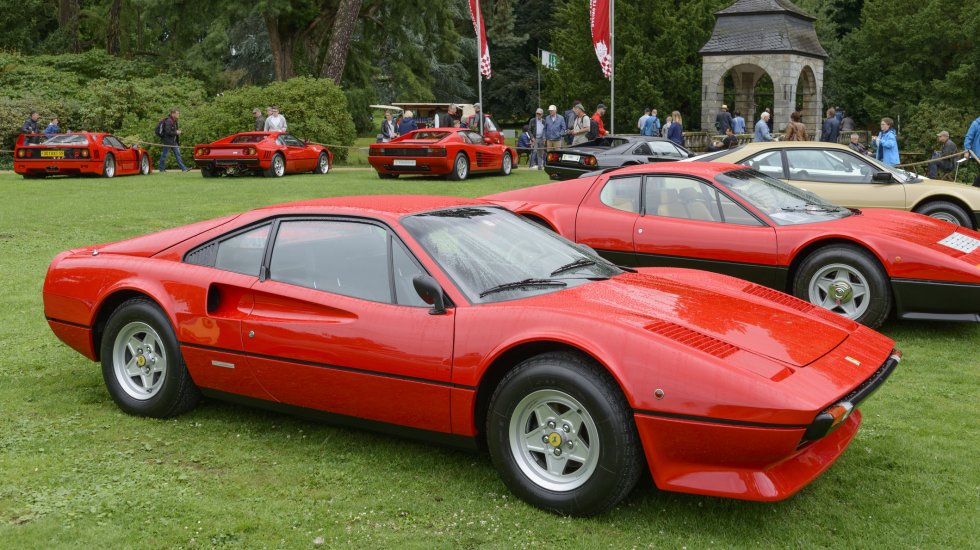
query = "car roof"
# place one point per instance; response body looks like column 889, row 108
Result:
column 377, row 206
column 761, row 146
column 703, row 169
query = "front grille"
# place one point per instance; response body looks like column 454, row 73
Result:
column 873, row 382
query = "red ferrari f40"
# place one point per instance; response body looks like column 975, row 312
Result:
column 78, row 154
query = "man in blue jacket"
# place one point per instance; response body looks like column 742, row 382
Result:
column 972, row 144
column 762, row 129
column 554, row 128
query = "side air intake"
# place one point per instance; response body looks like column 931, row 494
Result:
column 779, row 298
column 693, row 338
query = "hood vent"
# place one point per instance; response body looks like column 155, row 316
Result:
column 692, row 338
column 779, row 298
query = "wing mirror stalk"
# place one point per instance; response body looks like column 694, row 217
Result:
column 431, row 293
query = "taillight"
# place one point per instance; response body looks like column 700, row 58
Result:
column 84, row 153
column 552, row 157
column 435, row 152
column 590, row 161
column 250, row 151
column 21, row 153
column 202, row 151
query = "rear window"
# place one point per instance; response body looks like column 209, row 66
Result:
column 67, row 139
column 428, row 136
column 249, row 139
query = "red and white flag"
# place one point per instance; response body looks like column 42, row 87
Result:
column 599, row 22
column 481, row 35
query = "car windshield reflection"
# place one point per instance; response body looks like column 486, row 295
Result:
column 493, row 255
column 783, row 203
column 66, row 139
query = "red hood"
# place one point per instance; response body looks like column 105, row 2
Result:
column 148, row 245
column 711, row 305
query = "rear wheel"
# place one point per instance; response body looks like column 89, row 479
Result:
column 562, row 436
column 322, row 164
column 277, row 167
column 144, row 164
column 947, row 212
column 461, row 167
column 209, row 172
column 141, row 362
column 845, row 280
column 109, row 166
column 387, row 176
column 507, row 165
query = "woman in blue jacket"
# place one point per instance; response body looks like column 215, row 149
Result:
column 676, row 131
column 407, row 124
column 887, row 151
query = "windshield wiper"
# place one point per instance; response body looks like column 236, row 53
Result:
column 525, row 283
column 811, row 208
column 581, row 262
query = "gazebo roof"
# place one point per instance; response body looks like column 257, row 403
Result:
column 764, row 26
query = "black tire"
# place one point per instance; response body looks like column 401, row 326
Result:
column 322, row 164
column 144, row 165
column 507, row 164
column 208, row 172
column 596, row 484
column 34, row 176
column 461, row 167
column 832, row 276
column 387, row 176
column 171, row 390
column 277, row 167
column 109, row 166
column 946, row 211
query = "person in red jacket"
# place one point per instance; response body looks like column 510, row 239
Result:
column 600, row 110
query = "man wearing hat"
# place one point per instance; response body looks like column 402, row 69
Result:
column 723, row 120
column 600, row 110
column 554, row 128
column 943, row 166
column 536, row 127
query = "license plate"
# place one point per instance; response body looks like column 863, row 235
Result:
column 404, row 162
column 53, row 154
column 570, row 158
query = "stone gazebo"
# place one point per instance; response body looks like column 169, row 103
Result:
column 757, row 37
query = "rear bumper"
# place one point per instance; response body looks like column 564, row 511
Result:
column 936, row 300
column 227, row 163
column 69, row 167
column 433, row 165
column 565, row 172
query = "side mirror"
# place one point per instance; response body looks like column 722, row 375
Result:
column 882, row 177
column 431, row 293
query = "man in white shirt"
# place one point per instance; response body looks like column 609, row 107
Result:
column 275, row 122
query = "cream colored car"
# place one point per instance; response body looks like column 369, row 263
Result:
column 844, row 177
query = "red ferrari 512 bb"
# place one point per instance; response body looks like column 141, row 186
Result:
column 272, row 154
column 456, row 319
column 82, row 153
column 453, row 152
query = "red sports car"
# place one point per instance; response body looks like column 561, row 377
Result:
column 457, row 320
column 272, row 154
column 81, row 153
column 454, row 152
column 735, row 220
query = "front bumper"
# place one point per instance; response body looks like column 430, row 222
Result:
column 936, row 300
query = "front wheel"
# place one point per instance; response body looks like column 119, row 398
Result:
column 322, row 164
column 507, row 165
column 947, row 212
column 109, row 166
column 562, row 437
column 845, row 280
column 141, row 362
column 277, row 167
column 144, row 165
column 461, row 167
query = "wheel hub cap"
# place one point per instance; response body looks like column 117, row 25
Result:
column 842, row 292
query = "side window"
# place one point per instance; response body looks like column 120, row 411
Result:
column 111, row 141
column 474, row 138
column 243, row 253
column 281, row 140
column 665, row 149
column 622, row 194
column 347, row 258
column 827, row 166
column 293, row 141
column 404, row 270
column 642, row 149
column 691, row 199
column 769, row 163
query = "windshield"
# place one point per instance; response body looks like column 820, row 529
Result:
column 493, row 255
column 783, row 203
column 903, row 176
column 66, row 139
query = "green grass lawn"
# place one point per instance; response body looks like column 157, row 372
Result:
column 77, row 472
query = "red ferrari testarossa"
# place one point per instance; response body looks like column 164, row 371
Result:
column 453, row 152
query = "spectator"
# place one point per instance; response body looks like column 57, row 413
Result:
column 52, row 127
column 730, row 141
column 971, row 143
column 581, row 126
column 600, row 111
column 275, row 122
column 769, row 121
column 676, row 132
column 762, row 132
column 570, row 117
column 525, row 144
column 171, row 141
column 259, row 119
column 407, row 124
column 831, row 127
column 838, row 113
column 536, row 143
column 887, row 143
column 388, row 131
column 738, row 123
column 473, row 122
column 939, row 168
column 643, row 120
column 847, row 124
column 445, row 120
column 554, row 128
column 723, row 120
column 652, row 125
column 796, row 130
column 856, row 146
column 30, row 127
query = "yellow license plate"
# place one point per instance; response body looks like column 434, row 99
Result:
column 53, row 154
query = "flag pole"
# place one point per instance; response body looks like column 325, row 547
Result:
column 479, row 58
column 612, row 66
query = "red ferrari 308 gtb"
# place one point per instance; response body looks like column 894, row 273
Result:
column 453, row 152
column 272, row 154
column 456, row 319
column 81, row 153
column 734, row 220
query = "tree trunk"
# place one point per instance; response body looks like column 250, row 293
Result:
column 344, row 24
column 68, row 19
column 281, row 42
column 112, row 32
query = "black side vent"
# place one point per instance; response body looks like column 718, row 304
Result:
column 204, row 255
